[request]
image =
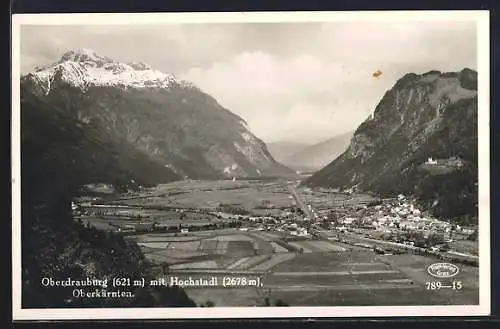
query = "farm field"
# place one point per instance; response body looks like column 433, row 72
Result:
column 471, row 247
column 298, row 270
column 325, row 199
column 327, row 261
column 327, row 275
column 208, row 195
column 363, row 296
column 159, row 237
column 348, row 277
column 232, row 251
column 415, row 266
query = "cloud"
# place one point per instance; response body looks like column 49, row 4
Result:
column 401, row 42
column 326, row 88
column 282, row 99
column 289, row 81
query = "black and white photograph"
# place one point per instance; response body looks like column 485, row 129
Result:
column 212, row 165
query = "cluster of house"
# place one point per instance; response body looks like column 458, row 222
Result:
column 388, row 216
column 449, row 162
column 100, row 188
column 286, row 222
column 134, row 220
column 400, row 214
column 151, row 227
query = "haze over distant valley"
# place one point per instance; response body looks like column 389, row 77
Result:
column 310, row 157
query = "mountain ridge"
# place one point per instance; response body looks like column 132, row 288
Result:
column 77, row 130
column 318, row 155
column 83, row 68
column 282, row 149
column 432, row 115
column 171, row 121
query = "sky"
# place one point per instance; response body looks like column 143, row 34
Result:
column 298, row 82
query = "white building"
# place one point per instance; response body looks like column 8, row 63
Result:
column 382, row 220
column 431, row 161
column 348, row 220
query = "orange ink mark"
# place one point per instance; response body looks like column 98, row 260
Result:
column 377, row 74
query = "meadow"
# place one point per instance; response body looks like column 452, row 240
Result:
column 298, row 271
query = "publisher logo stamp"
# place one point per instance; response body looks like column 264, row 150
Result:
column 443, row 270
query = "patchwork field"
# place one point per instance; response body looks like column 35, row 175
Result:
column 315, row 262
column 159, row 237
column 185, row 245
column 209, row 264
column 327, row 273
column 277, row 248
column 208, row 194
column 232, row 251
column 273, row 261
column 262, row 243
column 415, row 266
column 154, row 245
column 250, row 262
column 377, row 295
column 298, row 271
column 309, row 280
column 320, row 199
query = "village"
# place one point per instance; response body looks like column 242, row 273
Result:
column 284, row 233
column 398, row 221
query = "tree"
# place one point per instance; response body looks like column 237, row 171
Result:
column 434, row 239
column 208, row 303
column 473, row 236
column 279, row 302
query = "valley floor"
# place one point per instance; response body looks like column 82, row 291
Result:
column 264, row 243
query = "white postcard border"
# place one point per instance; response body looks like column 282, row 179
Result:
column 479, row 16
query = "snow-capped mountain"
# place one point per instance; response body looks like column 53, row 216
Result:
column 169, row 121
column 83, row 68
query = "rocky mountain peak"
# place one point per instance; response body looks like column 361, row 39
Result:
column 430, row 115
column 416, row 96
column 468, row 79
column 140, row 66
column 83, row 55
column 84, row 68
column 171, row 122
